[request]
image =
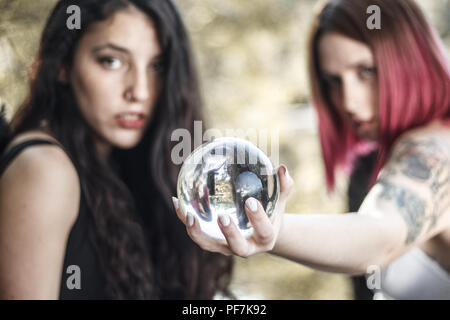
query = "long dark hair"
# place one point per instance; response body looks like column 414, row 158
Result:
column 158, row 261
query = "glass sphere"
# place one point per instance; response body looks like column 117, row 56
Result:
column 219, row 176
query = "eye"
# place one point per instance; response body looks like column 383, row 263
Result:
column 157, row 66
column 110, row 62
column 367, row 72
column 332, row 81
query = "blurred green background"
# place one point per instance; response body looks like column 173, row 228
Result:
column 252, row 60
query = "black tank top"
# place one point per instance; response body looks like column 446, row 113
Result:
column 81, row 275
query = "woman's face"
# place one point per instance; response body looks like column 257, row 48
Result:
column 116, row 78
column 348, row 68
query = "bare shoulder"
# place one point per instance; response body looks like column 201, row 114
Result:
column 42, row 174
column 422, row 155
column 436, row 134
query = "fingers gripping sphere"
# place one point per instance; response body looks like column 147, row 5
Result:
column 218, row 177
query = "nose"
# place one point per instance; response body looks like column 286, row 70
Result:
column 138, row 88
column 356, row 100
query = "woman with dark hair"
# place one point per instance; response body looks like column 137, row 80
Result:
column 387, row 90
column 86, row 174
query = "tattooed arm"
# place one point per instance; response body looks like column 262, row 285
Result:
column 416, row 184
column 408, row 206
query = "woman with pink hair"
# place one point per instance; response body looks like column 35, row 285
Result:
column 385, row 89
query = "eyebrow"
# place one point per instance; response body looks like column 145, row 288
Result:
column 110, row 46
column 118, row 48
column 365, row 63
column 362, row 63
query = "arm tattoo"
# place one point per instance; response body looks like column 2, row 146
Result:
column 411, row 207
column 426, row 161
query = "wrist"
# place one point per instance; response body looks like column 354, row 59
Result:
column 279, row 234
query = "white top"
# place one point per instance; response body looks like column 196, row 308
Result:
column 414, row 276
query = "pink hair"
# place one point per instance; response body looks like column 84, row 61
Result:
column 413, row 78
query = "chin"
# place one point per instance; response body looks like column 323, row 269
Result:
column 127, row 141
column 126, row 144
column 370, row 135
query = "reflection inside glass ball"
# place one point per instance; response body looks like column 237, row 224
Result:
column 218, row 177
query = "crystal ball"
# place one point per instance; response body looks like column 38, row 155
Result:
column 219, row 176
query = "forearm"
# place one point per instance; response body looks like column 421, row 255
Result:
column 344, row 243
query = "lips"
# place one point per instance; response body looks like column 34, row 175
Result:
column 362, row 124
column 130, row 120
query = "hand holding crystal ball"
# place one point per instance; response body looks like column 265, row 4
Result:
column 218, row 177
